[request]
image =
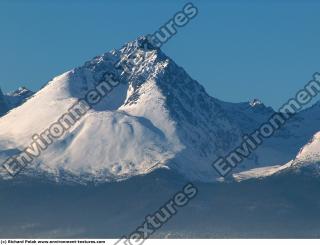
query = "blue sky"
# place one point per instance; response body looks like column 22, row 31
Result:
column 239, row 50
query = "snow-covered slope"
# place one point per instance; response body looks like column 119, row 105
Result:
column 311, row 152
column 307, row 160
column 157, row 117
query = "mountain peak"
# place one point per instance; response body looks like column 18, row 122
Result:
column 143, row 42
column 137, row 55
column 21, row 91
column 256, row 102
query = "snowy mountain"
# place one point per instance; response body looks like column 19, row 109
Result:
column 158, row 117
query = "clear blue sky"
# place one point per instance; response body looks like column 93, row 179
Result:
column 238, row 50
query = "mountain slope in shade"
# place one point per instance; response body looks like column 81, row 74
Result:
column 18, row 97
column 14, row 99
column 307, row 161
column 157, row 117
column 3, row 104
